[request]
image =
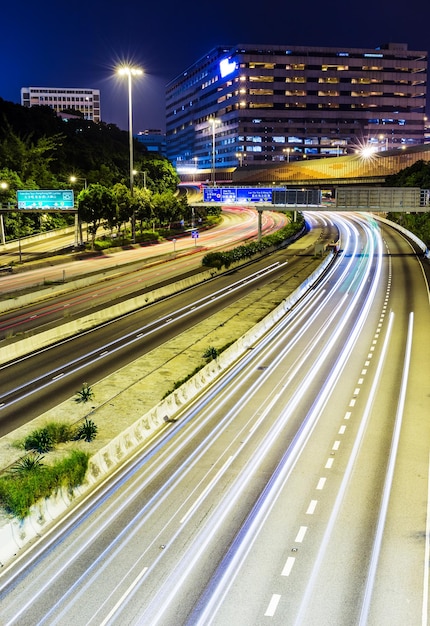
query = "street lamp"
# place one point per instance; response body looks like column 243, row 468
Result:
column 195, row 159
column 130, row 72
column 382, row 138
column 239, row 157
column 143, row 172
column 74, row 179
column 214, row 122
column 4, row 186
column 287, row 150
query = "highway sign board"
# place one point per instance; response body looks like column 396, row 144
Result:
column 237, row 195
column 45, row 200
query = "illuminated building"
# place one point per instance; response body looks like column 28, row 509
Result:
column 275, row 104
column 85, row 101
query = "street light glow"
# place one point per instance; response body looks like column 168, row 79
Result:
column 130, row 71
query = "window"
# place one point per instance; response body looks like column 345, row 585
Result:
column 261, row 92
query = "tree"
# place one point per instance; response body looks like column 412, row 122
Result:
column 125, row 204
column 95, row 204
column 144, row 205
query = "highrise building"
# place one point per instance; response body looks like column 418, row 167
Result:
column 266, row 104
column 85, row 101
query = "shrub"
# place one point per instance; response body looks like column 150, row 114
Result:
column 29, row 463
column 210, row 354
column 39, row 440
column 85, row 394
column 19, row 492
column 86, row 431
column 44, row 439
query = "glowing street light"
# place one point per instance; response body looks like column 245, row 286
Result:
column 4, row 186
column 130, row 72
column 287, row 150
column 382, row 138
column 74, row 179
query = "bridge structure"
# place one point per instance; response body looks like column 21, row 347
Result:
column 364, row 167
column 356, row 199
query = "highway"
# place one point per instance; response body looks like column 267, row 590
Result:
column 238, row 224
column 31, row 385
column 294, row 491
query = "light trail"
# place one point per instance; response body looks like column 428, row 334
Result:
column 377, row 542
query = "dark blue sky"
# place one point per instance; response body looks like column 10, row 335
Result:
column 78, row 44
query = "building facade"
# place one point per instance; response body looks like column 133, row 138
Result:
column 153, row 139
column 267, row 104
column 85, row 101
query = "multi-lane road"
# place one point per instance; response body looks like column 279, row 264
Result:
column 294, row 491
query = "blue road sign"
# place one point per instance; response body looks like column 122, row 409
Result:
column 43, row 200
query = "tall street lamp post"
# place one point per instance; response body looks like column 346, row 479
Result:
column 130, row 72
column 214, row 122
column 78, row 226
column 4, row 188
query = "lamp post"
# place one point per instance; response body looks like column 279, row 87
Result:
column 4, row 186
column 74, row 179
column 78, row 225
column 287, row 151
column 130, row 72
column 214, row 122
column 384, row 138
column 143, row 172
column 195, row 159
column 239, row 157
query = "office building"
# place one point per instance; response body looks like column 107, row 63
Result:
column 266, row 104
column 153, row 140
column 85, row 101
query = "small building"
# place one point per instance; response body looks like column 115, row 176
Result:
column 85, row 101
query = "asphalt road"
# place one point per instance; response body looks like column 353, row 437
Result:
column 295, row 491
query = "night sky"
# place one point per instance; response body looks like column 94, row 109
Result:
column 78, row 44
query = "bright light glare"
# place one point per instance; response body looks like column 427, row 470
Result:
column 367, row 152
column 126, row 70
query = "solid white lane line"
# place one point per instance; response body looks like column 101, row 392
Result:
column 425, row 607
column 123, row 597
column 207, row 489
column 377, row 543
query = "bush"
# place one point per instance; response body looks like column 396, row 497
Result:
column 29, row 463
column 85, row 394
column 44, row 439
column 18, row 493
column 245, row 252
column 86, row 431
column 39, row 440
column 210, row 354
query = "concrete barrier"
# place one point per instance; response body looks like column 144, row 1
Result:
column 59, row 333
